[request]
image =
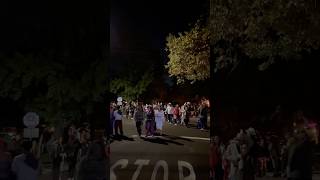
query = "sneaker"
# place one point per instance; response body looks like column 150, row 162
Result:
column 175, row 124
column 201, row 129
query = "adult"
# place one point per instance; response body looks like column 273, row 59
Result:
column 112, row 120
column 139, row 117
column 203, row 116
column 94, row 165
column 183, row 113
column 233, row 156
column 300, row 154
column 159, row 118
column 169, row 111
column 71, row 149
column 216, row 152
column 176, row 114
column 246, row 164
column 5, row 162
column 26, row 165
column 150, row 122
column 118, row 121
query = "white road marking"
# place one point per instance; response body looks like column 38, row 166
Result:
column 140, row 163
column 122, row 162
column 184, row 164
column 196, row 138
column 165, row 169
column 185, row 137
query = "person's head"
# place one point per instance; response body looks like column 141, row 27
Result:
column 244, row 149
column 216, row 140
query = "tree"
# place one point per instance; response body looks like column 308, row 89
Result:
column 128, row 89
column 189, row 54
column 263, row 30
column 53, row 89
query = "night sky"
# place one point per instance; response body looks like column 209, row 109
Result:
column 139, row 28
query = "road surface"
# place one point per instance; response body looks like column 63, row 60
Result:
column 180, row 153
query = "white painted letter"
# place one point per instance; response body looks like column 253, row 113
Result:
column 122, row 162
column 140, row 163
column 165, row 170
column 192, row 175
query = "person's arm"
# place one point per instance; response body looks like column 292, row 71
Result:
column 14, row 166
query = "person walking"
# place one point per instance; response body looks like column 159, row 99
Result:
column 26, row 165
column 139, row 117
column 118, row 121
column 150, row 122
column 176, row 114
column 159, row 118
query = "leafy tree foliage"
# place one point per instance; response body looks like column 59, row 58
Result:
column 128, row 89
column 52, row 88
column 189, row 54
column 263, row 30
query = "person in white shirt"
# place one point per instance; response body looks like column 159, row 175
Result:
column 159, row 117
column 118, row 121
column 169, row 111
column 26, row 165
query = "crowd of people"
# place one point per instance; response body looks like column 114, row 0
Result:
column 74, row 151
column 252, row 154
column 153, row 116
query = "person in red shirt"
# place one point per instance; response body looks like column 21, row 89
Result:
column 176, row 114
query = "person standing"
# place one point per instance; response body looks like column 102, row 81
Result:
column 139, row 116
column 203, row 116
column 159, row 118
column 118, row 121
column 246, row 164
column 93, row 166
column 111, row 125
column 5, row 162
column 183, row 113
column 26, row 165
column 169, row 111
column 300, row 154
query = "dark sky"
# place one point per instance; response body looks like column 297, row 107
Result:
column 138, row 30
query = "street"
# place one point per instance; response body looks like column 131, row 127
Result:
column 180, row 153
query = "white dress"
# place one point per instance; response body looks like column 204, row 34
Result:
column 159, row 117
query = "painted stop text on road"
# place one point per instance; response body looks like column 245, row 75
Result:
column 160, row 166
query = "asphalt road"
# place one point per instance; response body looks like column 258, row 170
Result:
column 181, row 153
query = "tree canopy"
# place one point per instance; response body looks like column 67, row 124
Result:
column 128, row 89
column 189, row 54
column 261, row 30
column 52, row 88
